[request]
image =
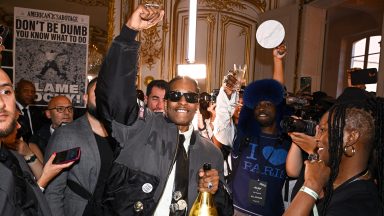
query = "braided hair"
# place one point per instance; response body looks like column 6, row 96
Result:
column 378, row 150
column 368, row 118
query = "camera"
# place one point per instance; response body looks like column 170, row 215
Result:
column 205, row 97
column 214, row 94
column 296, row 101
column 290, row 124
column 301, row 104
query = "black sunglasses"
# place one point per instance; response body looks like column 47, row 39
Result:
column 190, row 97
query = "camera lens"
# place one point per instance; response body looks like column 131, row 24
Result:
column 290, row 124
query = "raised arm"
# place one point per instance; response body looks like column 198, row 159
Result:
column 278, row 68
column 316, row 176
column 116, row 90
column 294, row 162
column 223, row 127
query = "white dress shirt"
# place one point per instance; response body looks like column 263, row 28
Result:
column 166, row 198
column 224, row 128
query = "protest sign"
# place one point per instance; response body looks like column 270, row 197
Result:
column 51, row 50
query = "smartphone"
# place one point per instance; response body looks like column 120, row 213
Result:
column 67, row 156
column 364, row 76
column 305, row 85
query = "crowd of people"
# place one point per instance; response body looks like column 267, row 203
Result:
column 141, row 154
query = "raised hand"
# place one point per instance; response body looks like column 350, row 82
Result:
column 51, row 170
column 229, row 84
column 305, row 142
column 280, row 51
column 145, row 17
column 316, row 175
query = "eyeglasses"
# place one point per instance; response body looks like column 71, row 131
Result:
column 62, row 109
column 190, row 97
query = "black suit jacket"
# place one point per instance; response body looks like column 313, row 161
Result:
column 8, row 205
column 38, row 119
column 41, row 137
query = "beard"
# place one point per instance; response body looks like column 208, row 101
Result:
column 9, row 135
column 91, row 109
column 8, row 129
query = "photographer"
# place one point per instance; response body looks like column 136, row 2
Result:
column 302, row 133
column 206, row 114
column 346, row 179
column 302, row 146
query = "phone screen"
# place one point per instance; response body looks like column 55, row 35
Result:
column 364, row 76
column 67, row 156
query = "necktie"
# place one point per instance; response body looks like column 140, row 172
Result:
column 25, row 113
column 25, row 130
column 180, row 192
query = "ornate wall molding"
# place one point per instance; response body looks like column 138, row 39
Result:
column 101, row 3
column 152, row 40
column 151, row 46
column 211, row 20
column 231, row 5
column 126, row 9
column 245, row 29
column 227, row 5
column 111, row 21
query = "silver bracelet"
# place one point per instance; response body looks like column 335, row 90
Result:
column 310, row 192
column 152, row 6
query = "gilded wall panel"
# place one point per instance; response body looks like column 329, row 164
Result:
column 101, row 3
column 151, row 46
column 151, row 42
column 230, row 23
column 206, row 23
column 235, row 45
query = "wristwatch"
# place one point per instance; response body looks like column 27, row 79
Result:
column 30, row 158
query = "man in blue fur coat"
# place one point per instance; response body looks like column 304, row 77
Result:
column 260, row 152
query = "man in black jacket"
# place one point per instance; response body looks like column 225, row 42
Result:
column 150, row 142
column 31, row 118
column 19, row 193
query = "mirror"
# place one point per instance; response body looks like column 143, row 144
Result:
column 270, row 34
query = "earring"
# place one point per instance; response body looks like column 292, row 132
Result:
column 349, row 151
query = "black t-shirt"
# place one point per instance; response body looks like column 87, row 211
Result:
column 106, row 159
column 356, row 198
column 300, row 179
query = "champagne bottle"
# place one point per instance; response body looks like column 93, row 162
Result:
column 204, row 204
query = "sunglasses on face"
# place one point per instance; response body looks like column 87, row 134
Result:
column 190, row 97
